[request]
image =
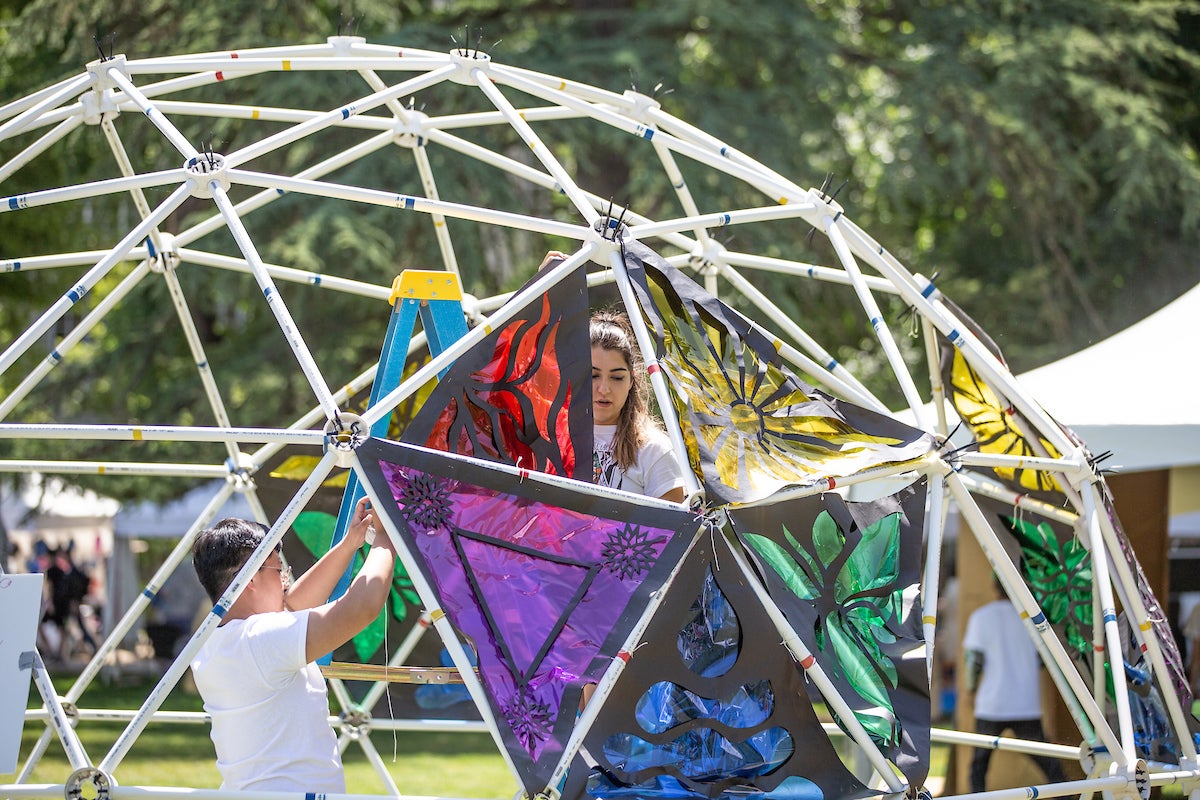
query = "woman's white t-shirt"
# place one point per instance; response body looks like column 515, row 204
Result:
column 269, row 706
column 653, row 473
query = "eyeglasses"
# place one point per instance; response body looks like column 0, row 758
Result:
column 285, row 574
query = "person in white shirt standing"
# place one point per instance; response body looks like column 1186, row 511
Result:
column 1002, row 666
column 256, row 672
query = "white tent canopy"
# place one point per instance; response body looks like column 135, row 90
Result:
column 148, row 520
column 1134, row 393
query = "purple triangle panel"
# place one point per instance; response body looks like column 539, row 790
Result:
column 544, row 583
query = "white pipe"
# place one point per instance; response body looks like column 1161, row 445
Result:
column 259, row 64
column 542, row 153
column 48, row 98
column 344, row 158
column 1108, row 610
column 287, row 274
column 73, row 337
column 291, row 333
column 82, row 191
column 158, row 694
column 410, row 203
column 85, row 284
column 40, row 146
column 158, row 433
column 832, row 226
column 330, row 118
column 1066, row 676
column 658, row 381
column 115, row 468
column 63, row 260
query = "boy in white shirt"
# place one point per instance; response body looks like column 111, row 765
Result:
column 256, row 672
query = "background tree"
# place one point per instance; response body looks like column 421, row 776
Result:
column 1042, row 158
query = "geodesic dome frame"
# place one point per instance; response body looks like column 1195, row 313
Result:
column 527, row 104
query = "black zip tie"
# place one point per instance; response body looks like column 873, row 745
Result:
column 838, row 190
column 1094, row 463
column 620, row 220
column 112, row 38
column 347, row 27
column 828, row 198
column 473, row 52
column 825, row 184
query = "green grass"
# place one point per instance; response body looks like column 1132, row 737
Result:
column 181, row 754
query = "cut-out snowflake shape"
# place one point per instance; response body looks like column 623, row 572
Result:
column 629, row 552
column 424, row 501
column 529, row 718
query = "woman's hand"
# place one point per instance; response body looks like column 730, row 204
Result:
column 552, row 255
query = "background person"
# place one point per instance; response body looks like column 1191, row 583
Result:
column 268, row 701
column 1002, row 667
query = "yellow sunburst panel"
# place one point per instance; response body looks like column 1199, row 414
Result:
column 991, row 423
column 750, row 435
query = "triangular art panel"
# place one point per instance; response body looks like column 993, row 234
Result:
column 750, row 424
column 712, row 705
column 523, row 395
column 847, row 577
column 998, row 427
column 543, row 583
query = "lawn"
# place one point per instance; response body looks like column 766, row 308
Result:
column 181, row 754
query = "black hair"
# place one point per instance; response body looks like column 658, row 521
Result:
column 220, row 551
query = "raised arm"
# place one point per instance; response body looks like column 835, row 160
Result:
column 333, row 624
column 314, row 587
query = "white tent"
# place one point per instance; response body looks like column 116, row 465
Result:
column 148, row 520
column 1134, row 393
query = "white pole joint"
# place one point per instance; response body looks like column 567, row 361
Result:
column 409, row 130
column 209, row 173
column 343, row 46
column 88, row 782
column 241, row 471
column 343, row 435
column 643, row 105
column 707, row 257
column 468, row 60
column 100, row 68
column 165, row 256
column 98, row 106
